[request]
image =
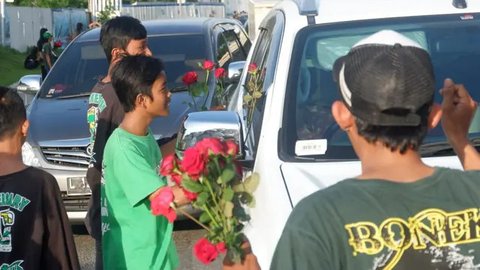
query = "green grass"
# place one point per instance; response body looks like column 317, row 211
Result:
column 11, row 66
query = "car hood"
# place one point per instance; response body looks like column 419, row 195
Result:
column 302, row 179
column 65, row 120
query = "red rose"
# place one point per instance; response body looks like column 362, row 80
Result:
column 211, row 146
column 193, row 162
column 219, row 73
column 177, row 178
column 208, row 65
column 160, row 205
column 190, row 78
column 252, row 68
column 168, row 164
column 232, row 148
column 205, row 251
column 221, row 247
column 191, row 196
column 57, row 44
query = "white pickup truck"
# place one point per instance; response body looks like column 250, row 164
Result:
column 289, row 137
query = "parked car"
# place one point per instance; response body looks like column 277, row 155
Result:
column 293, row 142
column 59, row 133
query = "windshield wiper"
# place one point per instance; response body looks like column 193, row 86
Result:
column 84, row 94
column 443, row 148
column 178, row 89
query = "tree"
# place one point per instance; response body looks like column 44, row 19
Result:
column 52, row 3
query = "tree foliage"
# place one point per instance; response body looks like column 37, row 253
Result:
column 52, row 3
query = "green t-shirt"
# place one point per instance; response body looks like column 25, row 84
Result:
column 433, row 223
column 133, row 238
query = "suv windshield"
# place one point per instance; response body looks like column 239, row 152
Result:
column 83, row 63
column 452, row 41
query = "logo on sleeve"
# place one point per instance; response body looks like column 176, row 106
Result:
column 13, row 266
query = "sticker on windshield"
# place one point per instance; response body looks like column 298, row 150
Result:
column 311, row 147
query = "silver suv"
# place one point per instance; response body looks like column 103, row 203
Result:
column 59, row 133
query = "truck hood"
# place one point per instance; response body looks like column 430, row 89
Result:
column 65, row 120
column 302, row 179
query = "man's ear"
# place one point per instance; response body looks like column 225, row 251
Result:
column 25, row 126
column 117, row 54
column 435, row 115
column 342, row 115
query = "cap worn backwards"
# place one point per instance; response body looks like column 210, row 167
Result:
column 386, row 79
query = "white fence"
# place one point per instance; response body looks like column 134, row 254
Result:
column 23, row 24
column 171, row 11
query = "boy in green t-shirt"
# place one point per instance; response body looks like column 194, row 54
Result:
column 133, row 238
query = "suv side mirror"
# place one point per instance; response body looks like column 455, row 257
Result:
column 30, row 83
column 225, row 125
column 235, row 71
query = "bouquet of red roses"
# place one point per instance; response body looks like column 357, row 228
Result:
column 213, row 180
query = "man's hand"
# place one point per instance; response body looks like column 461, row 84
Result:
column 249, row 263
column 458, row 109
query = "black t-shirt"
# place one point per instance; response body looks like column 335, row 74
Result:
column 34, row 229
column 105, row 112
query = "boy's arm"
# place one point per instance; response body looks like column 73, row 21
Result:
column 167, row 145
column 458, row 109
column 134, row 174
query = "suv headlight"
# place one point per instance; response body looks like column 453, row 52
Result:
column 28, row 156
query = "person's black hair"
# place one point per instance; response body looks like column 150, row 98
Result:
column 79, row 28
column 12, row 112
column 118, row 32
column 396, row 138
column 41, row 39
column 134, row 75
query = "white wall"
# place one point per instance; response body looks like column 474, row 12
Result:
column 25, row 24
column 257, row 10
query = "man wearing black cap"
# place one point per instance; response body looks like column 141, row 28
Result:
column 399, row 213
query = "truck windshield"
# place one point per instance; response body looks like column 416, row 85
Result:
column 84, row 63
column 310, row 130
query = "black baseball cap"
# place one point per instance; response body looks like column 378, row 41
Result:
column 386, row 79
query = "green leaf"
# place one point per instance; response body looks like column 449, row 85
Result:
column 257, row 94
column 247, row 98
column 202, row 198
column 228, row 174
column 227, row 195
column 192, row 186
column 239, row 188
column 251, row 183
column 252, row 202
column 204, row 218
column 228, row 209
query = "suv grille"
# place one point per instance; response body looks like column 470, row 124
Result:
column 67, row 156
column 75, row 203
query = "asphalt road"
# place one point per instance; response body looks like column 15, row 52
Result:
column 184, row 240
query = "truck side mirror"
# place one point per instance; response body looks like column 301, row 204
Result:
column 225, row 125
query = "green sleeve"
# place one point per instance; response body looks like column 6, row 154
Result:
column 134, row 174
column 300, row 250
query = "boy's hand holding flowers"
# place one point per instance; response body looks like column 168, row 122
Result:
column 211, row 178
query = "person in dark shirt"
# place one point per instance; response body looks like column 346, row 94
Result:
column 41, row 40
column 119, row 37
column 399, row 213
column 34, row 229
